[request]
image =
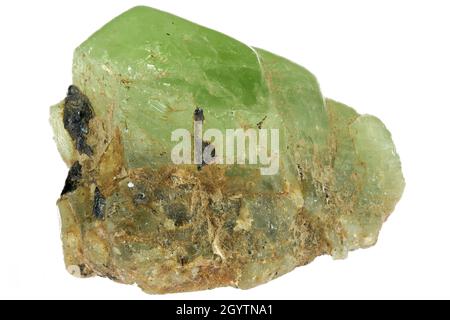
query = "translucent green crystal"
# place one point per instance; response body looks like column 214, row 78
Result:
column 130, row 214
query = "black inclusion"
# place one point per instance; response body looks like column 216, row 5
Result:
column 73, row 178
column 212, row 154
column 198, row 114
column 77, row 114
column 98, row 208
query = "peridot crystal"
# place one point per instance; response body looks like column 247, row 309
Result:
column 129, row 213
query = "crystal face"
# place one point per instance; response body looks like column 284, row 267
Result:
column 129, row 213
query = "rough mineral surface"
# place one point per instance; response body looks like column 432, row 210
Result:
column 130, row 214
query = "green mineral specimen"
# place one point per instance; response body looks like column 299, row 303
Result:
column 129, row 213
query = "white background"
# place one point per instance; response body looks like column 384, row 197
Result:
column 387, row 58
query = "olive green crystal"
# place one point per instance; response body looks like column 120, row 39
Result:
column 129, row 213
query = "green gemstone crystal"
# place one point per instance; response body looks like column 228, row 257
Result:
column 131, row 214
